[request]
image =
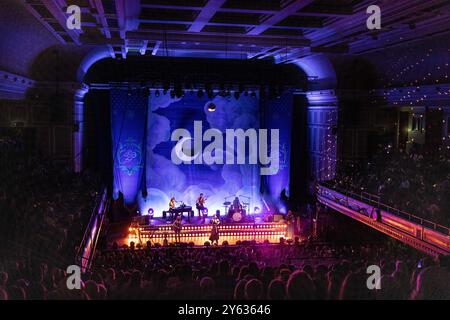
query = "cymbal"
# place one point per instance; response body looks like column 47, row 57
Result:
column 227, row 203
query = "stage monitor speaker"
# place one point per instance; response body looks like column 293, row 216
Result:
column 277, row 217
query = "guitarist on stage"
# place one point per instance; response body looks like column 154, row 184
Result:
column 200, row 205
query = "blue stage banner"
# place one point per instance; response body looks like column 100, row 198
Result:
column 128, row 126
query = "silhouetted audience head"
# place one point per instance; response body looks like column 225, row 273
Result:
column 300, row 286
column 239, row 291
column 3, row 294
column 91, row 289
column 432, row 283
column 16, row 293
column 354, row 287
column 276, row 290
column 253, row 289
column 3, row 279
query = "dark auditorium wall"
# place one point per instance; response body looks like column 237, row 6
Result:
column 97, row 150
column 44, row 123
column 356, row 76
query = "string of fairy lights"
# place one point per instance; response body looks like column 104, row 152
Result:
column 414, row 68
column 406, row 75
column 328, row 154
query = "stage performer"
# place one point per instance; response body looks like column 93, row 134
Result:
column 214, row 237
column 290, row 224
column 172, row 207
column 200, row 205
column 237, row 206
column 172, row 203
column 176, row 226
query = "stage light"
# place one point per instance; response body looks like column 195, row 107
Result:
column 150, row 212
column 211, row 107
column 200, row 94
column 236, row 95
column 157, row 93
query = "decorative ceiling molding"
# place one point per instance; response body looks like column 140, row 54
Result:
column 14, row 87
column 193, row 28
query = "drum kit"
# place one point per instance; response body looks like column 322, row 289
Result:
column 236, row 211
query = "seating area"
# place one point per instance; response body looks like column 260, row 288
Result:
column 239, row 151
column 47, row 218
column 247, row 272
column 45, row 207
column 412, row 182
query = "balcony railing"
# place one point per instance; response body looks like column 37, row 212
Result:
column 375, row 201
column 88, row 244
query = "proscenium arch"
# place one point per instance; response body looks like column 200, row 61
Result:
column 320, row 71
column 322, row 115
column 90, row 59
column 86, row 63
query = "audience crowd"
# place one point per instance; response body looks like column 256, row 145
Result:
column 45, row 209
column 410, row 182
column 44, row 206
column 246, row 272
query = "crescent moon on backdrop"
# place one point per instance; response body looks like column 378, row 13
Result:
column 179, row 150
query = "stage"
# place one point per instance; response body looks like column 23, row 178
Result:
column 142, row 229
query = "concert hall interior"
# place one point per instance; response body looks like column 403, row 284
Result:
column 224, row 149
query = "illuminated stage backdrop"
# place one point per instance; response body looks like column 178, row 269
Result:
column 186, row 181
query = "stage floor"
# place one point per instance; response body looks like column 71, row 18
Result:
column 196, row 232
